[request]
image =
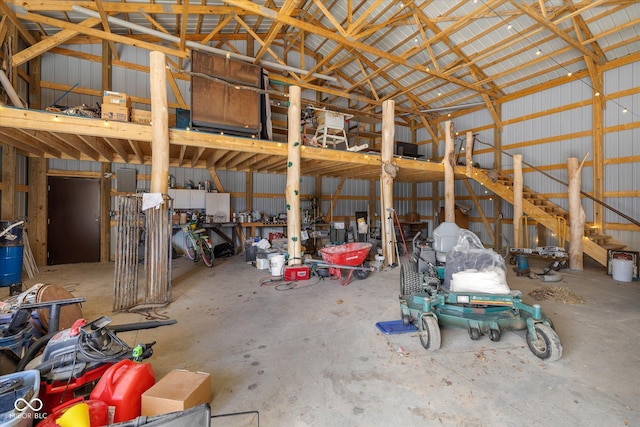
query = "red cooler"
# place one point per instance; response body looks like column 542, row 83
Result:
column 122, row 386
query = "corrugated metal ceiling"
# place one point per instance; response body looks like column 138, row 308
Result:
column 443, row 52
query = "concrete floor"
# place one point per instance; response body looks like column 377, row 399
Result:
column 312, row 356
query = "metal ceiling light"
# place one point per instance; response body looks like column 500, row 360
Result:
column 198, row 46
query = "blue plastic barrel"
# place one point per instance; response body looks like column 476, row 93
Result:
column 10, row 265
column 523, row 262
column 11, row 251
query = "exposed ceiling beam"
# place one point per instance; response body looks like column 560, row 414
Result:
column 105, row 26
column 274, row 15
column 101, row 34
column 48, row 43
column 557, row 31
column 26, row 35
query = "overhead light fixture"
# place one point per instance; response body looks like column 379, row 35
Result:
column 624, row 110
column 597, row 94
column 538, row 52
column 569, row 74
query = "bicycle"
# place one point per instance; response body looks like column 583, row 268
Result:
column 196, row 245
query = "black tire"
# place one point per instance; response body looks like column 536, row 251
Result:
column 409, row 279
column 34, row 349
column 430, row 333
column 513, row 259
column 362, row 274
column 474, row 333
column 207, row 254
column 494, row 335
column 406, row 319
column 548, row 346
column 189, row 246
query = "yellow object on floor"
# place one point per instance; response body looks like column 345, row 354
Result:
column 76, row 416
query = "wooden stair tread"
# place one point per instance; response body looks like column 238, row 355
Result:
column 613, row 246
column 599, row 237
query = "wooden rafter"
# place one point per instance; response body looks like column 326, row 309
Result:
column 558, row 31
column 48, row 43
column 183, row 29
column 6, row 11
column 263, row 44
column 155, row 24
column 102, row 34
column 105, row 26
column 256, row 9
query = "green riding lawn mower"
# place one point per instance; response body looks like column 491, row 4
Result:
column 452, row 279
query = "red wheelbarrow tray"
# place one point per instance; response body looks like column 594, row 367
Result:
column 348, row 255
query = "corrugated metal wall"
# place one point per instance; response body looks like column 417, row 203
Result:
column 622, row 151
column 66, row 70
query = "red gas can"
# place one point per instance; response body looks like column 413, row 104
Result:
column 122, row 386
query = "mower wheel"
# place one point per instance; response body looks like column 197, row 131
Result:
column 513, row 259
column 547, row 347
column 494, row 335
column 430, row 333
column 406, row 319
column 474, row 333
column 363, row 274
column 409, row 279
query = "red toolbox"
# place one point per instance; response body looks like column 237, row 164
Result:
column 296, row 272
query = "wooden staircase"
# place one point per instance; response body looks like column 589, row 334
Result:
column 545, row 212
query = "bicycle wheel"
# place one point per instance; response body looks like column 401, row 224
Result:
column 189, row 246
column 207, row 253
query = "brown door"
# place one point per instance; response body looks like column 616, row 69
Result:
column 73, row 233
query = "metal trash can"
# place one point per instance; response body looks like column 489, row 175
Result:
column 11, row 253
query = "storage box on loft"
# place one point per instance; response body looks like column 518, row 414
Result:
column 331, row 119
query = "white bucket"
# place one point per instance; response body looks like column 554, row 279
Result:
column 622, row 270
column 277, row 265
column 262, row 264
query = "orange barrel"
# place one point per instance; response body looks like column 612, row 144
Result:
column 122, row 386
column 98, row 413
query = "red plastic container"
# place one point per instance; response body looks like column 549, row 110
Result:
column 122, row 387
column 98, row 413
column 296, row 272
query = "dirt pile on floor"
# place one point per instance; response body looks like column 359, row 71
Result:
column 556, row 293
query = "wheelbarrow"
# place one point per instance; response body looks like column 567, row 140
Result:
column 350, row 256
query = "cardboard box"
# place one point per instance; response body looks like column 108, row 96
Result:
column 116, row 98
column 178, row 390
column 115, row 112
column 141, row 116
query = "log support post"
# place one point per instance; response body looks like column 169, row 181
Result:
column 292, row 190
